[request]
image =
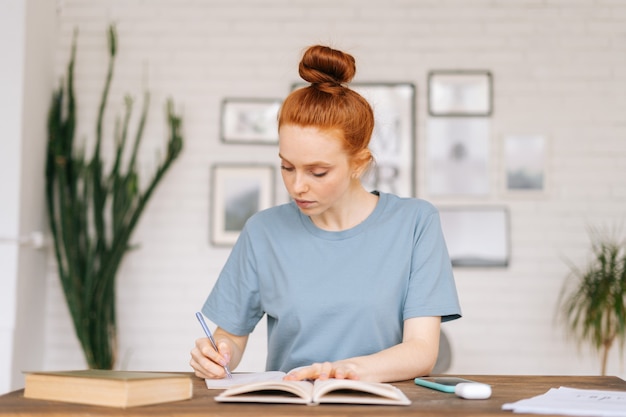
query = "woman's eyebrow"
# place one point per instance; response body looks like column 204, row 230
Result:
column 310, row 164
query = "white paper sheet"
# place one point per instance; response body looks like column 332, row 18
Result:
column 243, row 378
column 573, row 402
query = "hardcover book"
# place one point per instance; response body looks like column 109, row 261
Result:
column 108, row 388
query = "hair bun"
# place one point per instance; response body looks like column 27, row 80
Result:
column 326, row 67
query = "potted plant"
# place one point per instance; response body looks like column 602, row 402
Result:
column 593, row 298
column 92, row 213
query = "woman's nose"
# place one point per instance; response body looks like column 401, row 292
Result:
column 299, row 184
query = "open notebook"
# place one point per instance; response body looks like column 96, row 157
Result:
column 269, row 387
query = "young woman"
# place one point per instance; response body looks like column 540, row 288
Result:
column 354, row 283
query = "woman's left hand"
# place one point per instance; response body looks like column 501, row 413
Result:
column 322, row 371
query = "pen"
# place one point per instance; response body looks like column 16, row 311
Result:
column 210, row 336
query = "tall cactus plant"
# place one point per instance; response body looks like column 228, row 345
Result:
column 92, row 213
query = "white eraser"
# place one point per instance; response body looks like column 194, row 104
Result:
column 473, row 390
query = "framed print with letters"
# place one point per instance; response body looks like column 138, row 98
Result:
column 393, row 139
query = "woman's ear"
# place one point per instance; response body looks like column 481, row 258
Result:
column 361, row 162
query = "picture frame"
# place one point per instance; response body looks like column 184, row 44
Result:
column 525, row 163
column 393, row 140
column 237, row 192
column 458, row 151
column 460, row 93
column 249, row 120
column 477, row 236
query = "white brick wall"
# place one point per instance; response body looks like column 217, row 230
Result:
column 559, row 70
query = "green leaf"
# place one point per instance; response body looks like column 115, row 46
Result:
column 92, row 213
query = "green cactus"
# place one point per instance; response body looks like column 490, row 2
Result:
column 92, row 214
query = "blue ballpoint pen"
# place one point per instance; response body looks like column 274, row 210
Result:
column 210, row 336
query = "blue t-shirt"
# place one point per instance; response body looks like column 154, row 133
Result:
column 335, row 295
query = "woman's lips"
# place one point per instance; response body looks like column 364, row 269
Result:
column 303, row 204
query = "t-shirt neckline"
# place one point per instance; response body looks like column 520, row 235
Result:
column 348, row 233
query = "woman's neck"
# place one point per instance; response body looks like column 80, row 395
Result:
column 352, row 210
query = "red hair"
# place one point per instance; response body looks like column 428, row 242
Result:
column 328, row 104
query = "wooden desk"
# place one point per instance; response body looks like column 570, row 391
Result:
column 426, row 402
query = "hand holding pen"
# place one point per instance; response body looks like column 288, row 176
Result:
column 210, row 336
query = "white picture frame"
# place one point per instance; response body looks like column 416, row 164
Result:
column 477, row 236
column 525, row 163
column 237, row 192
column 458, row 156
column 249, row 121
column 460, row 93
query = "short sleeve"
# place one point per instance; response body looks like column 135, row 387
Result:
column 234, row 303
column 432, row 291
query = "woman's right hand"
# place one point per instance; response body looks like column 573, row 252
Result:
column 207, row 362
